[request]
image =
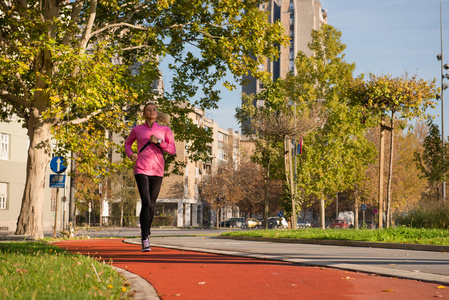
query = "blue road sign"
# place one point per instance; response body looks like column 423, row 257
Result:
column 280, row 214
column 57, row 181
column 363, row 207
column 58, row 164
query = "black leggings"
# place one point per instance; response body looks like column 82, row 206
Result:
column 149, row 187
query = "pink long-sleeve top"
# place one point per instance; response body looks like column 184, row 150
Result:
column 151, row 160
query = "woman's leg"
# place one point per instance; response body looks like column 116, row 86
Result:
column 155, row 183
column 144, row 191
column 149, row 187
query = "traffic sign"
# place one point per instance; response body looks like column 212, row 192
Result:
column 363, row 207
column 57, row 181
column 280, row 214
column 375, row 211
column 58, row 164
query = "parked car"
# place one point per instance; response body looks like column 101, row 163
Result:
column 225, row 223
column 303, row 224
column 339, row 223
column 272, row 223
column 253, row 223
column 238, row 222
column 275, row 222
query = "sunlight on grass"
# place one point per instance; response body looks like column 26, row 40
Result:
column 392, row 235
column 33, row 270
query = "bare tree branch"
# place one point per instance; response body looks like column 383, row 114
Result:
column 14, row 99
column 74, row 17
column 79, row 120
column 117, row 25
column 90, row 22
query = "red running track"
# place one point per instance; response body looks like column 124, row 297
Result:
column 178, row 274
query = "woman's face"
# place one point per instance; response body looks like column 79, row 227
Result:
column 150, row 112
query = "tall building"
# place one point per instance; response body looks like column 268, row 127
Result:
column 299, row 18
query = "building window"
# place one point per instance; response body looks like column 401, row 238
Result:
column 3, row 195
column 291, row 65
column 4, row 146
column 222, row 155
column 222, row 140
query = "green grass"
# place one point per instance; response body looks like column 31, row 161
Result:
column 404, row 235
column 37, row 270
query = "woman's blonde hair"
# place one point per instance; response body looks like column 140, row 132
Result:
column 161, row 117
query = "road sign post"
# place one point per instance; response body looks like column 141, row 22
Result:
column 57, row 165
column 56, row 212
column 363, row 208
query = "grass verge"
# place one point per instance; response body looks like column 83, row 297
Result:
column 37, row 270
column 404, row 235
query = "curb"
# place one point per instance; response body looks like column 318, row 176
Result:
column 140, row 288
column 419, row 247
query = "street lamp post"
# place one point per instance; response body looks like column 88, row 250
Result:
column 443, row 87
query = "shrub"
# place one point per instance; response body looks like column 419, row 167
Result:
column 425, row 215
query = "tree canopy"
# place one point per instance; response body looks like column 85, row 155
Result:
column 78, row 71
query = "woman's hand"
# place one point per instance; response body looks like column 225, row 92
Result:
column 134, row 157
column 154, row 139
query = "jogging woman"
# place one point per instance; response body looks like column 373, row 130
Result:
column 152, row 140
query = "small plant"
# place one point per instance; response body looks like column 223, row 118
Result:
column 425, row 215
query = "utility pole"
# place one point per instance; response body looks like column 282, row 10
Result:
column 381, row 172
column 443, row 87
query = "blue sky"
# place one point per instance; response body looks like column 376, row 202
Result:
column 382, row 37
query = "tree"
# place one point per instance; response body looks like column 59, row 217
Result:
column 253, row 179
column 401, row 97
column 88, row 193
column 273, row 129
column 408, row 186
column 336, row 154
column 124, row 195
column 216, row 189
column 79, row 70
column 430, row 161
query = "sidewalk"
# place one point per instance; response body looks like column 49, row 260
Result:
column 184, row 274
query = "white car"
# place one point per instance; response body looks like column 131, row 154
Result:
column 303, row 224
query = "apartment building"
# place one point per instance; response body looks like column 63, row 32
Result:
column 299, row 18
column 14, row 145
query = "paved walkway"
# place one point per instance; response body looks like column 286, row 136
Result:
column 186, row 271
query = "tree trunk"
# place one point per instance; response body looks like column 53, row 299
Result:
column 267, row 197
column 390, row 172
column 356, row 207
column 218, row 218
column 39, row 132
column 39, row 154
column 322, row 213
